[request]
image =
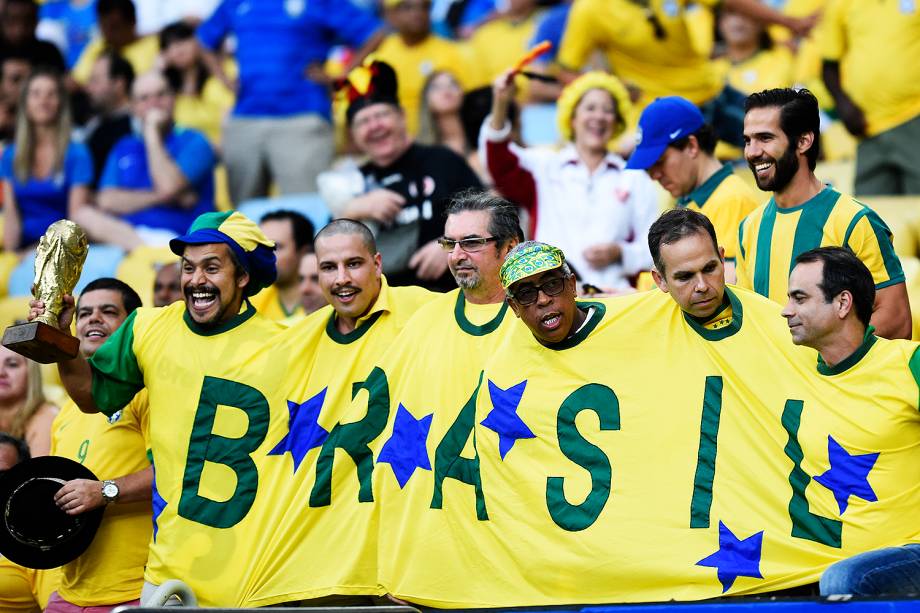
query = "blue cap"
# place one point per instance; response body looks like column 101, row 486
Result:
column 662, row 122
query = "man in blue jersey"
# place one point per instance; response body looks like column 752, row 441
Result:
column 281, row 126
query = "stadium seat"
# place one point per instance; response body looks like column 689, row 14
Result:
column 902, row 214
column 310, row 206
column 101, row 261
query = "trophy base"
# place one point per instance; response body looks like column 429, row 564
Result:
column 40, row 342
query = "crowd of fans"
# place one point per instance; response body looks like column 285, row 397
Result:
column 134, row 117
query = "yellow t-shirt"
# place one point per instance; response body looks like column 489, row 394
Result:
column 207, row 111
column 766, row 69
column 414, row 64
column 675, row 64
column 771, row 237
column 726, row 200
column 876, row 44
column 111, row 570
column 141, row 54
column 497, row 45
column 269, row 305
column 25, row 590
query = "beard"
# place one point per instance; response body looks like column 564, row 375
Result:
column 783, row 170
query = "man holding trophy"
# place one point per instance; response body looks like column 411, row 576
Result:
column 195, row 358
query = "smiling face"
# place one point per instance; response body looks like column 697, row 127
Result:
column 99, row 313
column 14, row 377
column 211, row 285
column 694, row 274
column 769, row 154
column 549, row 318
column 379, row 130
column 43, row 101
column 349, row 274
column 594, row 120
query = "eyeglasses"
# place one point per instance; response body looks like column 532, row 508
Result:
column 528, row 294
column 470, row 245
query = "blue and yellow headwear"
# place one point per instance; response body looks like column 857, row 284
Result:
column 528, row 259
column 573, row 93
column 251, row 247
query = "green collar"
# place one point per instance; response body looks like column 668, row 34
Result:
column 846, row 364
column 825, row 194
column 230, row 324
column 586, row 329
column 467, row 326
column 701, row 194
column 722, row 333
column 358, row 332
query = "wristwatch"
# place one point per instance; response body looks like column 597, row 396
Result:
column 109, row 491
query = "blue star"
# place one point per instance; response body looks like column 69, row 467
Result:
column 406, row 448
column 158, row 505
column 848, row 474
column 735, row 558
column 304, row 431
column 503, row 418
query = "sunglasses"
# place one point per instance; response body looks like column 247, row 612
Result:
column 527, row 295
column 470, row 245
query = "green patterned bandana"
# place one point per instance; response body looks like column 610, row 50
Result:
column 528, row 259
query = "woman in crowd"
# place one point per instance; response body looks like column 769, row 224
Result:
column 24, row 413
column 46, row 174
column 202, row 101
column 441, row 118
column 580, row 198
column 751, row 62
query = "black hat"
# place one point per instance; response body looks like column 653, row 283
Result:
column 373, row 82
column 34, row 532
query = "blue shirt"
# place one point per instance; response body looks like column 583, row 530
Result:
column 276, row 41
column 79, row 24
column 126, row 168
column 41, row 202
column 551, row 28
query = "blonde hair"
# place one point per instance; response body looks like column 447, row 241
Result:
column 35, row 398
column 575, row 91
column 25, row 130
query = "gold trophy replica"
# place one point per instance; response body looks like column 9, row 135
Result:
column 58, row 263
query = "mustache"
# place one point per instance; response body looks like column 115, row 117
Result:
column 340, row 288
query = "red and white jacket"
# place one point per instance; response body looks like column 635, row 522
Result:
column 572, row 208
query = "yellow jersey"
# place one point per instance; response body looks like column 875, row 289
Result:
column 25, row 590
column 268, row 304
column 141, row 54
column 771, row 238
column 766, row 69
column 111, row 570
column 206, row 111
column 676, row 62
column 874, row 41
column 497, row 45
column 414, row 64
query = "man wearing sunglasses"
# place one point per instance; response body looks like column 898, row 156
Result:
column 541, row 291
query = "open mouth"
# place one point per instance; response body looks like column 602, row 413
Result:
column 95, row 334
column 202, row 300
column 551, row 321
column 346, row 295
column 761, row 168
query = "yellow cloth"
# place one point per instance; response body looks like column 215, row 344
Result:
column 677, row 64
column 327, row 369
column 25, row 590
column 205, row 112
column 726, row 208
column 268, row 303
column 497, row 45
column 111, row 570
column 771, row 237
column 876, row 43
column 766, row 69
column 141, row 54
column 600, row 458
column 414, row 64
column 209, row 415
